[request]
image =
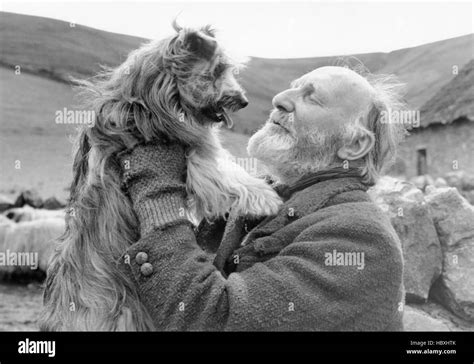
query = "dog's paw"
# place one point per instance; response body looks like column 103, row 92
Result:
column 262, row 200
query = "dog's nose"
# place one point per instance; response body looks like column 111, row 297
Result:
column 243, row 102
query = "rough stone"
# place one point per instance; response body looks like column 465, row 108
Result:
column 461, row 180
column 5, row 203
column 440, row 182
column 418, row 320
column 452, row 214
column 29, row 197
column 52, row 203
column 410, row 217
column 454, row 220
column 422, row 181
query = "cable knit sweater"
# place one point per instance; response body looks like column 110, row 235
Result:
column 287, row 275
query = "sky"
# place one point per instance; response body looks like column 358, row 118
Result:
column 274, row 29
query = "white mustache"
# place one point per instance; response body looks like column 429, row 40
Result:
column 283, row 118
column 278, row 115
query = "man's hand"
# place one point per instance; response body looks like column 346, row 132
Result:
column 154, row 176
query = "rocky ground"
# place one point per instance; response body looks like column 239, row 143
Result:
column 431, row 316
column 21, row 304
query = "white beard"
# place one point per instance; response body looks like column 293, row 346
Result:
column 289, row 159
column 268, row 145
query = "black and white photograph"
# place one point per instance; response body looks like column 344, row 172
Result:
column 271, row 168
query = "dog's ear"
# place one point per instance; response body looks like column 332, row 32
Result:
column 201, row 45
column 209, row 30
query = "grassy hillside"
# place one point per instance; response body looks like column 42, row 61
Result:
column 56, row 50
column 28, row 134
column 428, row 67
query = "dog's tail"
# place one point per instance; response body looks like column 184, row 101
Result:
column 85, row 288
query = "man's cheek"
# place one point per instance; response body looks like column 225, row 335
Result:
column 304, row 125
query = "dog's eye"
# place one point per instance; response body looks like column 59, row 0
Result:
column 219, row 69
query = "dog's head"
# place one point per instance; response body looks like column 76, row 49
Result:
column 205, row 75
column 170, row 88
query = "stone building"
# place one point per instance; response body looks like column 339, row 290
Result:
column 444, row 140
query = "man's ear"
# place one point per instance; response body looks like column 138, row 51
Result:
column 357, row 148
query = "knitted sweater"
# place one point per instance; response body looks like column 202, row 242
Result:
column 328, row 261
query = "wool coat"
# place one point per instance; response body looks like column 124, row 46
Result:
column 328, row 261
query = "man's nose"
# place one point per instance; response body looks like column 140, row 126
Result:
column 284, row 101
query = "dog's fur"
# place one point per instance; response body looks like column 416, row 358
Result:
column 174, row 89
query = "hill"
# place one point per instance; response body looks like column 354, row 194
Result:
column 54, row 49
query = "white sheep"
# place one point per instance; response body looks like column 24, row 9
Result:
column 34, row 239
column 28, row 213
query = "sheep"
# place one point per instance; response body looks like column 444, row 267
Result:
column 30, row 242
column 28, row 213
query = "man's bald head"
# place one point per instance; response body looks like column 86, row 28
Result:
column 328, row 116
column 345, row 90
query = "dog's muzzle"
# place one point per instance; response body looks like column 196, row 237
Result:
column 226, row 104
column 231, row 103
column 234, row 102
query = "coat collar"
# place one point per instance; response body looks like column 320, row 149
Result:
column 314, row 197
column 286, row 191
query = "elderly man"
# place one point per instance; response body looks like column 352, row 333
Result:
column 329, row 260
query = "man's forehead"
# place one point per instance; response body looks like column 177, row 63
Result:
column 318, row 74
column 308, row 84
column 318, row 78
column 332, row 79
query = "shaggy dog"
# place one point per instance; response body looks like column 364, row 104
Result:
column 176, row 89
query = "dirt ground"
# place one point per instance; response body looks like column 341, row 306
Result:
column 19, row 306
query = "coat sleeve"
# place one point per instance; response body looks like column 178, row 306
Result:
column 296, row 290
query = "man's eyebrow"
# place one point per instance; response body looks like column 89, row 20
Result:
column 308, row 89
column 316, row 93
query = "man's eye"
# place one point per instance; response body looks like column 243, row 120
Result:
column 313, row 100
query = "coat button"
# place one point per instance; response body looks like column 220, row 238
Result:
column 146, row 269
column 141, row 258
